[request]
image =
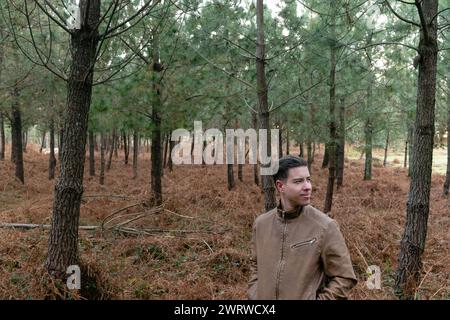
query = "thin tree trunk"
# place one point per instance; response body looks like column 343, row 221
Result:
column 171, row 145
column 326, row 156
column 63, row 240
column 411, row 149
column 386, row 146
column 280, row 140
column 156, row 154
column 264, row 120
column 126, row 147
column 111, row 149
column 135, row 153
column 412, row 244
column 368, row 133
column 52, row 158
column 43, row 142
column 166, row 147
column 341, row 144
column 16, row 134
column 405, row 162
column 2, row 137
column 332, row 123
column 447, row 177
column 102, row 158
column 91, row 154
column 287, row 139
column 24, row 141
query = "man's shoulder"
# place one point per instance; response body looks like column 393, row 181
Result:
column 317, row 216
column 265, row 216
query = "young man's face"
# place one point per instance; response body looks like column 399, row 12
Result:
column 297, row 187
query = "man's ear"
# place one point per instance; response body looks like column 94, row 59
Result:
column 279, row 184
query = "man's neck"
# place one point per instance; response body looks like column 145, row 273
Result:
column 286, row 205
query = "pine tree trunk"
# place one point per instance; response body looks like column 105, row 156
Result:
column 60, row 143
column 413, row 241
column 326, row 156
column 126, row 147
column 230, row 177
column 405, row 161
column 368, row 134
column 255, row 166
column 63, row 240
column 24, row 141
column 43, row 142
column 52, row 158
column 287, row 140
column 341, row 144
column 166, row 147
column 447, row 177
column 112, row 147
column 2, row 137
column 135, row 153
column 386, row 146
column 280, row 141
column 264, row 120
column 171, row 145
column 102, row 158
column 156, row 154
column 91, row 154
column 332, row 125
column 16, row 134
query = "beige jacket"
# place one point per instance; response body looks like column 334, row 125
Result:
column 299, row 255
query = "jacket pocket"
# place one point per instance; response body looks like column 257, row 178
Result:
column 303, row 243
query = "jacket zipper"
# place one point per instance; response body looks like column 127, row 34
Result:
column 303, row 243
column 277, row 286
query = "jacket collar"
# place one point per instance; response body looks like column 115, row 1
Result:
column 294, row 213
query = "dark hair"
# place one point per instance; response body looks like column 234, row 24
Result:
column 286, row 163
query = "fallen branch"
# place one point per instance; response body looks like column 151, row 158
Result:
column 28, row 226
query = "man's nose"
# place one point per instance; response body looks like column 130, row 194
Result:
column 307, row 185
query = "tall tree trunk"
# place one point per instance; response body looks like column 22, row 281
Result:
column 16, row 133
column 135, row 153
column 2, row 137
column 102, row 158
column 413, row 241
column 341, row 144
column 405, row 162
column 43, row 142
column 166, row 147
column 386, row 146
column 264, row 120
column 63, row 242
column 24, row 141
column 255, row 166
column 156, row 155
column 126, row 146
column 280, row 140
column 368, row 134
column 326, row 155
column 230, row 177
column 171, row 145
column 287, row 140
column 60, row 143
column 52, row 158
column 112, row 147
column 91, row 154
column 332, row 123
column 447, row 177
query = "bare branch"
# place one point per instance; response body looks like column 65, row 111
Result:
column 399, row 16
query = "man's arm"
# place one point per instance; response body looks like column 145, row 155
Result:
column 337, row 265
column 253, row 282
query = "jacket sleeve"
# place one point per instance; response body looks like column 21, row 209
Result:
column 253, row 282
column 337, row 265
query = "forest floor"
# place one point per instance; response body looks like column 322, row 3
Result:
column 206, row 255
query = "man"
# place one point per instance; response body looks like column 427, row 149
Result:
column 298, row 252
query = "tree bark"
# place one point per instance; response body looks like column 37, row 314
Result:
column 111, row 149
column 326, row 155
column 91, row 154
column 411, row 149
column 332, row 123
column 52, row 158
column 287, row 140
column 63, row 241
column 405, row 161
column 43, row 142
column 264, row 119
column 386, row 146
column 413, row 241
column 171, row 145
column 2, row 137
column 135, row 153
column 16, row 134
column 341, row 144
column 126, row 147
column 447, row 176
column 255, row 166
column 24, row 141
column 156, row 154
column 102, row 158
column 166, row 147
